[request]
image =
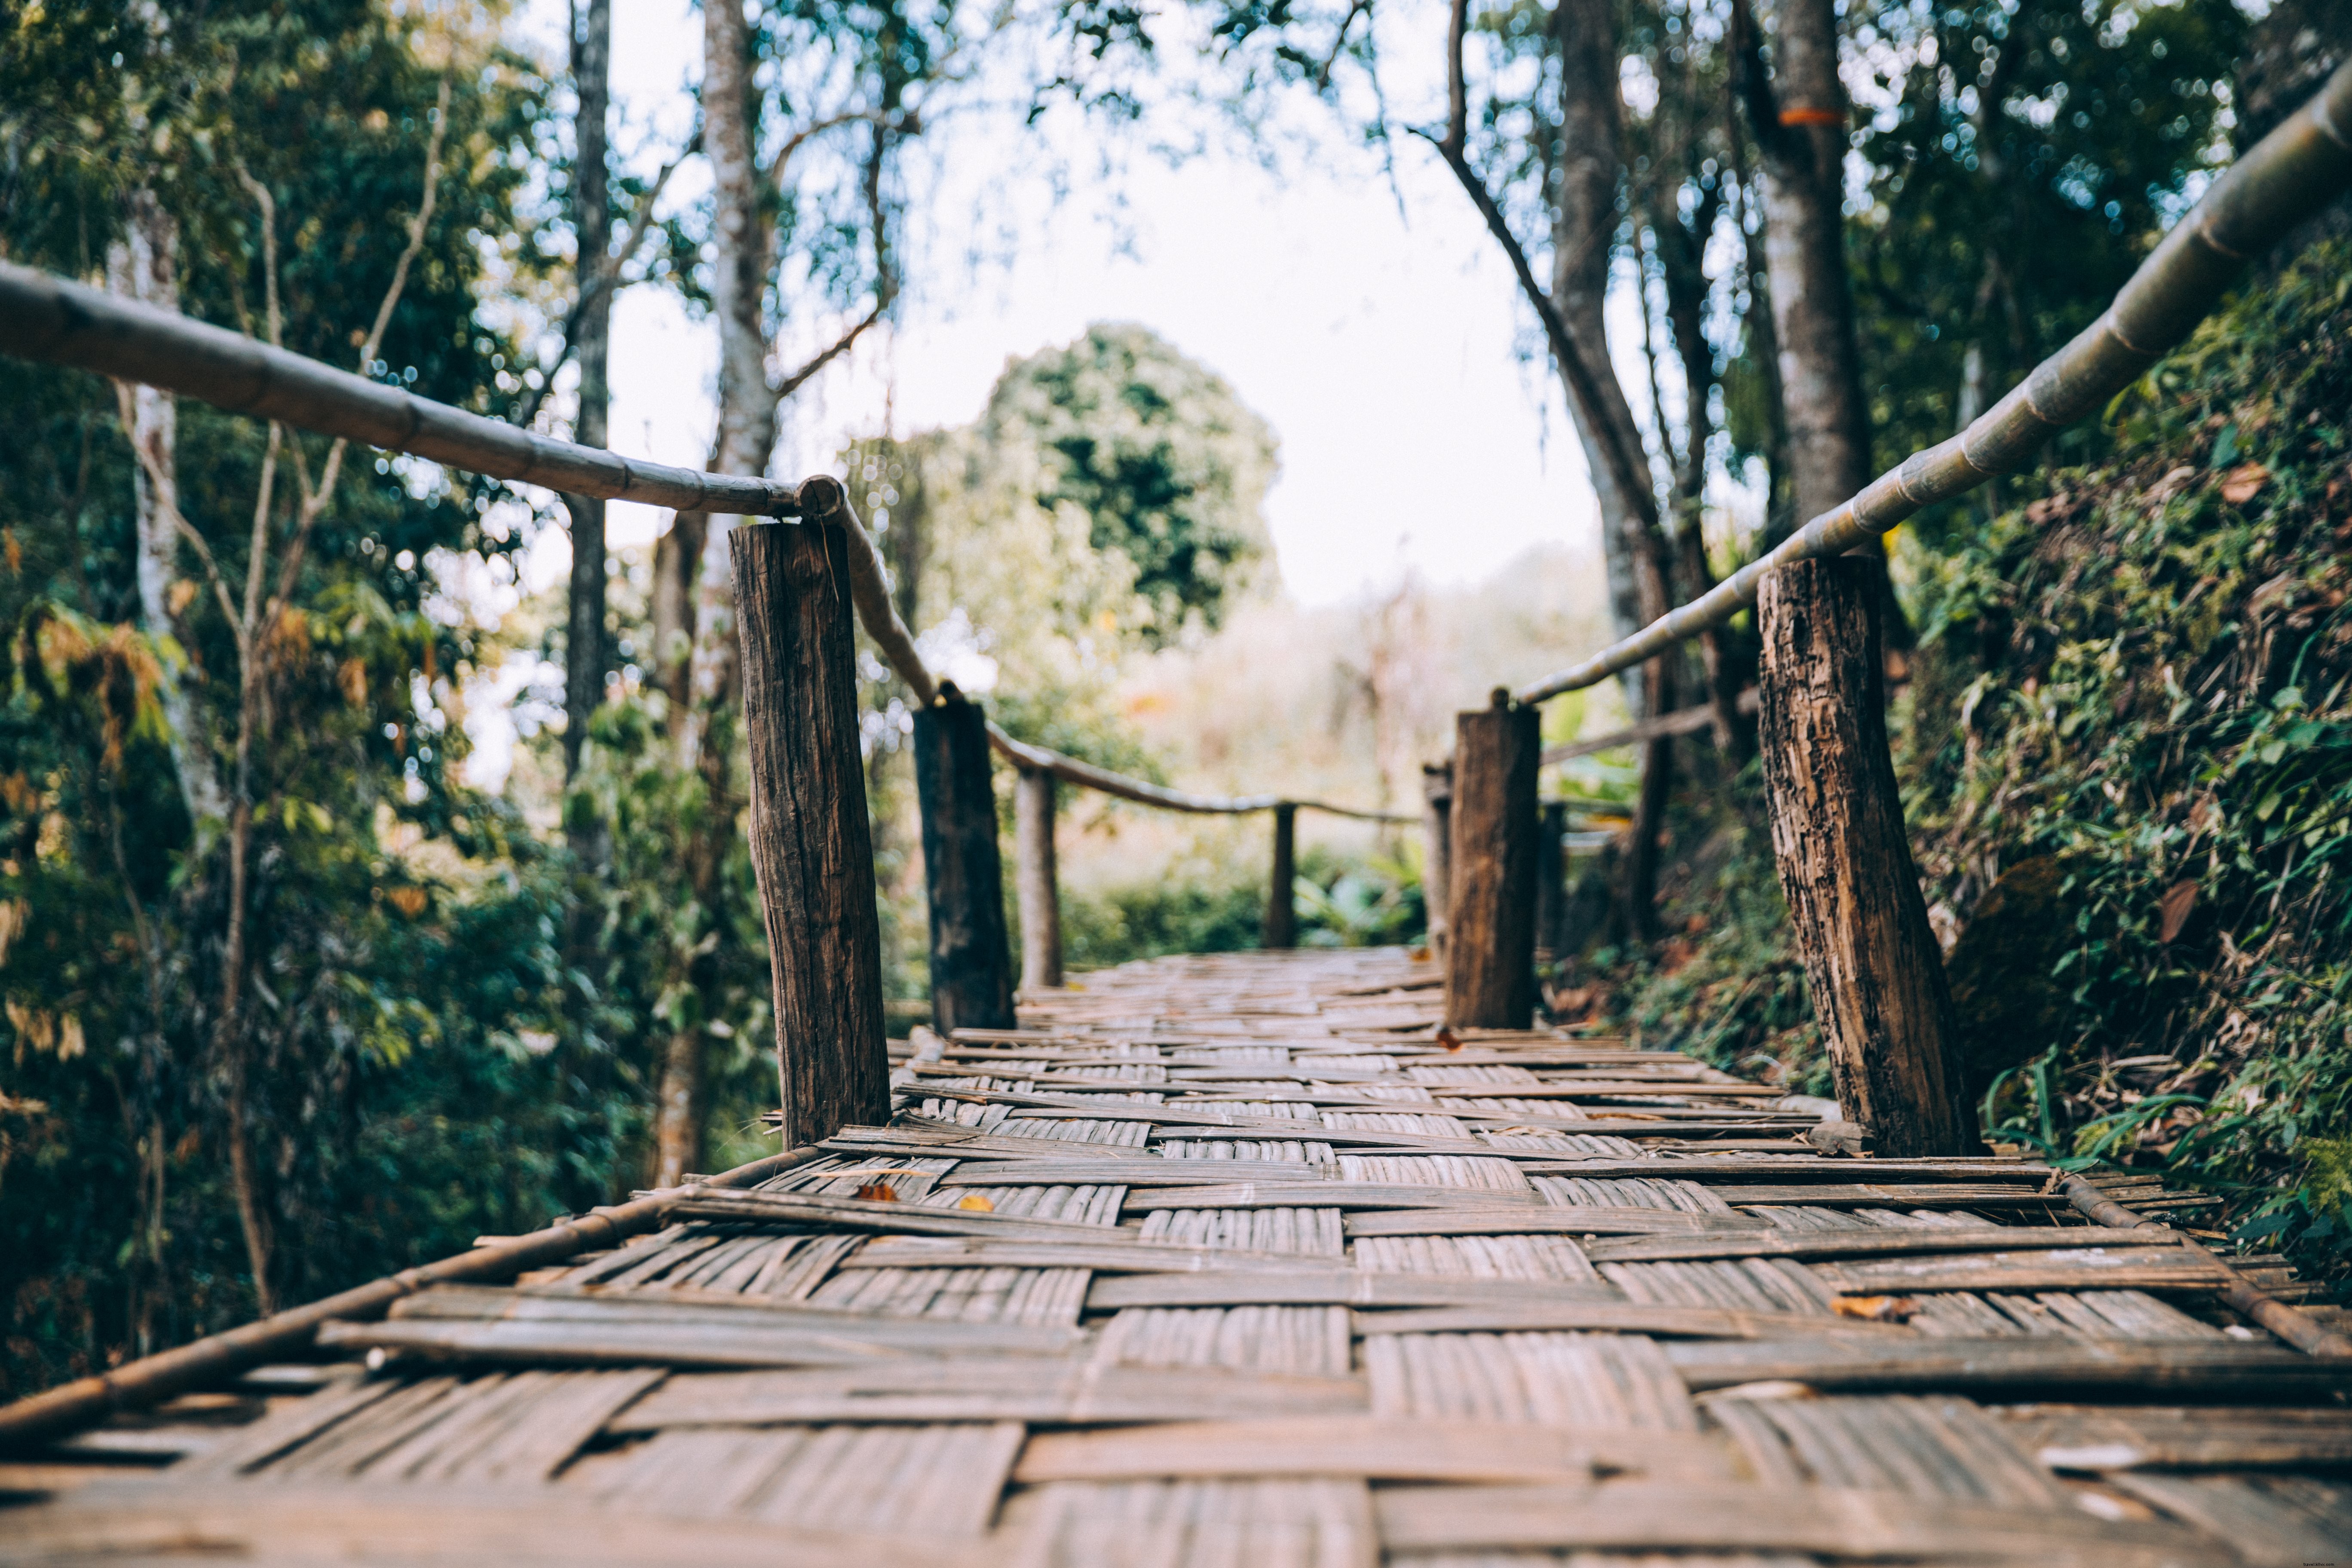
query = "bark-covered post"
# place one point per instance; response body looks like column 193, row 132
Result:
column 1872, row 965
column 1490, row 977
column 1551, row 880
column 812, row 849
column 1038, row 880
column 1437, row 856
column 971, row 958
column 1282, row 885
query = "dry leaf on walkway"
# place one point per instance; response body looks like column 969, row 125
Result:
column 1876, row 1308
column 2172, row 911
column 977, row 1201
column 2243, row 483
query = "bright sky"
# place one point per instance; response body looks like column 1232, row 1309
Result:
column 1379, row 341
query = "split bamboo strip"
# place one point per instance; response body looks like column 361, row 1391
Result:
column 2295, row 168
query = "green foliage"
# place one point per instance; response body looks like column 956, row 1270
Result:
column 398, row 1067
column 1149, row 919
column 1167, row 466
column 2024, row 162
column 2136, row 689
column 2147, row 675
column 1372, row 901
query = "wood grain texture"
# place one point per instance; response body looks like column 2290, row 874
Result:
column 812, row 845
column 1875, row 971
column 1437, row 856
column 971, row 956
column 1551, row 880
column 1038, row 878
column 1281, row 929
column 1490, row 964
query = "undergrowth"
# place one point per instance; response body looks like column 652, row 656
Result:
column 2126, row 755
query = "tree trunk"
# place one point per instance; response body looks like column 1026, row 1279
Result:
column 1871, row 963
column 695, row 622
column 1804, row 146
column 971, row 960
column 1281, row 929
column 811, row 844
column 678, row 1124
column 591, row 219
column 1438, row 857
column 1490, row 981
column 1584, row 232
column 1040, row 885
column 144, row 264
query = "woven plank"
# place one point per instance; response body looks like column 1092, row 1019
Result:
column 972, row 1389
column 1838, row 1524
column 1221, row 1524
column 1579, row 1380
column 1372, row 1447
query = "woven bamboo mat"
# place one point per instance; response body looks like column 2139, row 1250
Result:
column 1240, row 1260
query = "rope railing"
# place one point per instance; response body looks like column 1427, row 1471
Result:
column 2248, row 207
column 53, row 320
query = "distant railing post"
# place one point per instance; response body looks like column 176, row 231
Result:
column 1437, row 856
column 1040, row 889
column 1490, row 980
column 1281, row 911
column 1861, row 926
column 971, row 960
column 1551, row 880
column 812, row 849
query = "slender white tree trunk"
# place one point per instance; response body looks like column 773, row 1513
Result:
column 144, row 264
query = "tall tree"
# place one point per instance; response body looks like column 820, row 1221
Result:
column 592, row 343
column 1798, row 113
column 1580, row 159
column 766, row 207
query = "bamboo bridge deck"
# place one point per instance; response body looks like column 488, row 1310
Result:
column 1237, row 1260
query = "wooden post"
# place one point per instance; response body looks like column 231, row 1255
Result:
column 1437, row 856
column 1040, row 887
column 1281, row 911
column 971, row 958
column 1490, row 980
column 812, row 849
column 1861, row 926
column 1551, row 880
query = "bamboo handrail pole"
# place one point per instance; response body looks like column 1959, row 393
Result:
column 62, row 322
column 59, row 321
column 152, row 1379
column 2296, row 1326
column 2298, row 166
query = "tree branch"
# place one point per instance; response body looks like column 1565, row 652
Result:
column 315, row 501
column 601, row 281
column 1584, row 385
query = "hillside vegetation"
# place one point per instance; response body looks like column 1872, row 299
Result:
column 2127, row 751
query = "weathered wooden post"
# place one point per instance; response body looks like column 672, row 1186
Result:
column 1038, row 880
column 1437, row 856
column 1282, row 889
column 1871, row 963
column 971, row 958
column 812, row 849
column 1551, row 880
column 1490, row 979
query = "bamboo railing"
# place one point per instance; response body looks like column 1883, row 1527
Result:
column 2299, row 166
column 53, row 320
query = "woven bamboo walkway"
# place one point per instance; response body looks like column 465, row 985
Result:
column 1236, row 1260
